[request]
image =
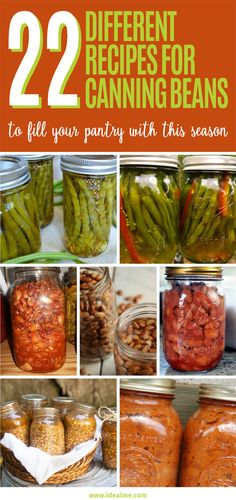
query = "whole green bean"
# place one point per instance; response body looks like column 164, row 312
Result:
column 153, row 228
column 72, row 195
column 15, row 229
column 3, row 247
column 140, row 222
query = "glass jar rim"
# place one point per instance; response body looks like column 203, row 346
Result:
column 37, row 271
column 89, row 164
column 14, row 172
column 217, row 391
column 197, row 272
column 27, row 398
column 210, row 163
column 100, row 284
column 46, row 412
column 83, row 409
column 135, row 312
column 150, row 160
column 157, row 386
column 63, row 400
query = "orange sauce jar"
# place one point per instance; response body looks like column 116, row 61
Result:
column 209, row 448
column 150, row 433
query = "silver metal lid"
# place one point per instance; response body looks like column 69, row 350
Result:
column 215, row 391
column 63, row 399
column 209, row 163
column 150, row 160
column 157, row 386
column 199, row 272
column 14, row 172
column 33, row 397
column 89, row 164
column 35, row 157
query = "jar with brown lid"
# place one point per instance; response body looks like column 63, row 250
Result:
column 109, row 436
column 80, row 425
column 47, row 431
column 70, row 283
column 63, row 404
column 15, row 421
column 38, row 319
column 150, row 433
column 209, row 446
column 135, row 341
column 194, row 318
column 98, row 313
column 31, row 402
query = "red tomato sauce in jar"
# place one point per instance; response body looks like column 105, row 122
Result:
column 38, row 320
column 209, row 447
column 193, row 320
column 150, row 434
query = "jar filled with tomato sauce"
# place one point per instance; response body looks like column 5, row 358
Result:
column 38, row 320
column 193, row 318
column 209, row 447
column 150, row 433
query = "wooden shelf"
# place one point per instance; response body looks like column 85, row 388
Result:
column 8, row 366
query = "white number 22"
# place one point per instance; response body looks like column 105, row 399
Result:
column 59, row 20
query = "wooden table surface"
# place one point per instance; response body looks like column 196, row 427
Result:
column 8, row 366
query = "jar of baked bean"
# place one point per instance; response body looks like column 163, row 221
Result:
column 150, row 433
column 109, row 436
column 47, row 431
column 63, row 404
column 31, row 402
column 193, row 318
column 209, row 446
column 38, row 319
column 98, row 313
column 135, row 342
column 15, row 421
column 80, row 425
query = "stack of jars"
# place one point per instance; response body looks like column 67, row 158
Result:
column 151, row 436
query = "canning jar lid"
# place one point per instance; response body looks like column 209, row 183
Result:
column 33, row 397
column 35, row 157
column 199, row 272
column 209, row 163
column 150, row 160
column 14, row 172
column 157, row 386
column 215, row 391
column 63, row 399
column 89, row 164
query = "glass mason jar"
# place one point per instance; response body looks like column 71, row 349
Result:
column 47, row 431
column 41, row 170
column 98, row 313
column 109, row 437
column 89, row 189
column 15, row 421
column 193, row 318
column 20, row 233
column 135, row 341
column 31, row 402
column 209, row 446
column 64, row 404
column 150, row 433
column 149, row 208
column 208, row 209
column 3, row 325
column 70, row 283
column 38, row 319
column 80, row 425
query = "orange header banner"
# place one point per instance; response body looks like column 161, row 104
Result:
column 118, row 76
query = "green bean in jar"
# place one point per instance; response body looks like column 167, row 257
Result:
column 149, row 208
column 19, row 233
column 208, row 209
column 41, row 170
column 89, row 189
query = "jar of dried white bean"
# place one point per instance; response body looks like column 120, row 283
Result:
column 135, row 342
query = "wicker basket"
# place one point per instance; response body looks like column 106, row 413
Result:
column 71, row 473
